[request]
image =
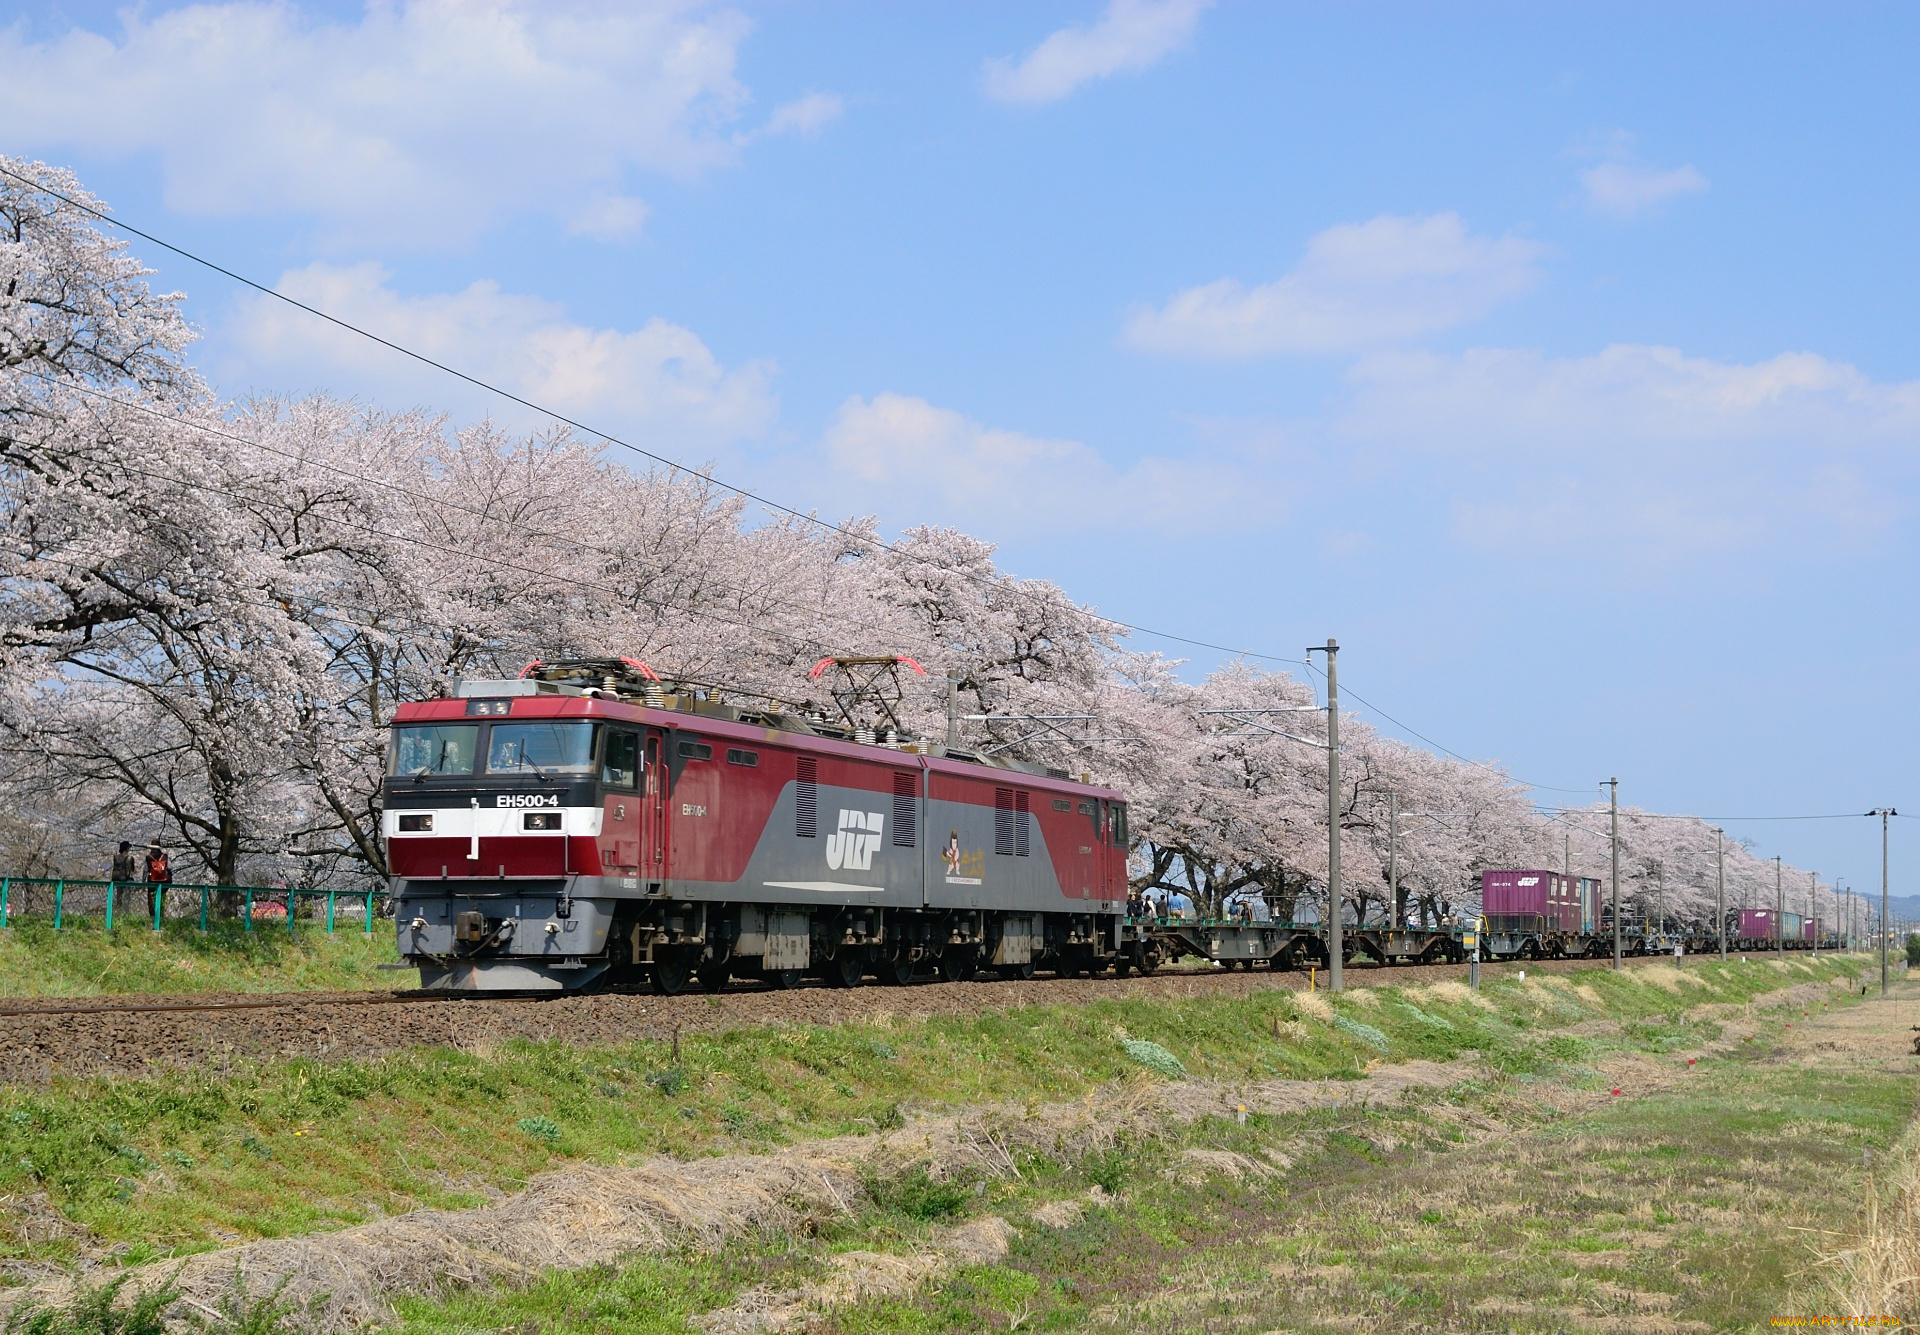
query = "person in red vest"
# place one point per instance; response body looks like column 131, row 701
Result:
column 159, row 876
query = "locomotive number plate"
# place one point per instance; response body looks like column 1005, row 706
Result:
column 527, row 800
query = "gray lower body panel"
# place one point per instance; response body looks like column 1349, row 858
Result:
column 496, row 974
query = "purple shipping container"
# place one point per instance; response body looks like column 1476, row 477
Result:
column 1530, row 901
column 1755, row 925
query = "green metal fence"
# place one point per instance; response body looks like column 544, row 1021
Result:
column 66, row 897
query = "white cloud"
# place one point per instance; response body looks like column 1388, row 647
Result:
column 422, row 122
column 1659, row 454
column 1627, row 189
column 1359, row 285
column 1130, row 35
column 910, row 457
column 660, row 384
column 805, row 115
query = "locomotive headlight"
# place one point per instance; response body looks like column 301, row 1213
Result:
column 416, row 822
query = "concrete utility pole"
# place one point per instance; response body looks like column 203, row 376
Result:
column 1613, row 809
column 1720, row 882
column 1883, row 813
column 1813, row 910
column 953, row 709
column 1779, row 910
column 1393, row 860
column 1335, row 971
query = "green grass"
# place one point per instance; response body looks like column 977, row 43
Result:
column 83, row 960
column 179, row 1161
column 1692, row 1204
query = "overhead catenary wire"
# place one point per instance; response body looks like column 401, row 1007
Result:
column 1114, row 623
column 424, row 497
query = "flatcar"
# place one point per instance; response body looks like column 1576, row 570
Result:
column 588, row 824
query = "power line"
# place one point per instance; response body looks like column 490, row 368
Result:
column 1445, row 750
column 425, row 498
column 742, row 492
column 1655, row 815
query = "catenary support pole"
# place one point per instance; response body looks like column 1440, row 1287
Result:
column 1720, row 887
column 1885, row 910
column 1813, row 910
column 1393, row 860
column 953, row 714
column 1779, row 910
column 1613, row 810
column 1336, row 979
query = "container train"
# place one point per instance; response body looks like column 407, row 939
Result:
column 588, row 824
column 1536, row 913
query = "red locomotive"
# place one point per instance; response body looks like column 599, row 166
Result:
column 589, row 824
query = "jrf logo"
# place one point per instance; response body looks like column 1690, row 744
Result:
column 853, row 845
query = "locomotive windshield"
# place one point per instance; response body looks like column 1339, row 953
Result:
column 552, row 748
column 442, row 748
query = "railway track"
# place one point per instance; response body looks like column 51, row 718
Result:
column 270, row 1001
column 866, row 997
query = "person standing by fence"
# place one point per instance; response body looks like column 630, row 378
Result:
column 126, row 867
column 159, row 876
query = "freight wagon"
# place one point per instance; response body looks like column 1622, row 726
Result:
column 1529, row 913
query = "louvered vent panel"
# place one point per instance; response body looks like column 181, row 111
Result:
column 906, row 811
column 806, row 797
column 1003, row 822
column 1020, row 819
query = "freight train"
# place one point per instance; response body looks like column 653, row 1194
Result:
column 589, row 824
column 1536, row 913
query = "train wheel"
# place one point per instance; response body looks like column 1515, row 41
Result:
column 845, row 969
column 714, row 977
column 1147, row 961
column 671, row 977
column 781, row 980
column 1016, row 973
column 1122, row 964
column 958, row 964
column 895, row 970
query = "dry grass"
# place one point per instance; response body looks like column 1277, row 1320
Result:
column 1879, row 1276
column 860, row 1276
column 578, row 1217
column 1312, row 1003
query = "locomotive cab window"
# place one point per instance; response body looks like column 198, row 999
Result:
column 1120, row 825
column 443, row 748
column 620, row 768
column 544, row 748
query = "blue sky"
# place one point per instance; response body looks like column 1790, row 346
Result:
column 1560, row 361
